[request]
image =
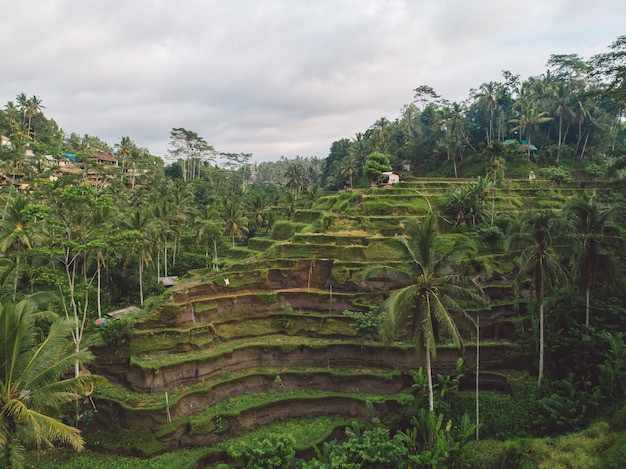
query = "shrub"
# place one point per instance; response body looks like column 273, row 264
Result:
column 283, row 230
column 516, row 455
column 273, row 451
column 557, row 175
column 117, row 332
column 366, row 324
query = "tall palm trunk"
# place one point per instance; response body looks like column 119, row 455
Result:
column 431, row 395
column 587, row 300
column 541, row 341
column 141, row 281
column 477, row 375
column 17, row 274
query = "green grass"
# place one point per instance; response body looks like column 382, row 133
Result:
column 183, row 459
column 234, row 406
column 158, row 360
column 151, row 401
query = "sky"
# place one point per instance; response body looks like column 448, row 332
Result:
column 275, row 77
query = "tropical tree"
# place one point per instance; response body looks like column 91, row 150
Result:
column 349, row 169
column 560, row 96
column 140, row 233
column 33, row 382
column 235, row 222
column 288, row 204
column 535, row 244
column 257, row 207
column 528, row 117
column 381, row 134
column 73, row 238
column 16, row 233
column 611, row 67
column 190, row 149
column 595, row 232
column 33, row 108
column 467, row 202
column 425, row 94
column 209, row 228
column 296, row 179
column 375, row 164
column 431, row 301
column 125, row 149
column 487, row 95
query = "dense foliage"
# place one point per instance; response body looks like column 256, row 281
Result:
column 105, row 237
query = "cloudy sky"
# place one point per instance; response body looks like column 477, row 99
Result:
column 275, row 77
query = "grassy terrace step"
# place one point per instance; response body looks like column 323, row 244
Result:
column 260, row 244
column 157, row 372
column 328, row 251
column 200, row 296
column 243, row 414
column 346, row 238
column 239, row 416
column 243, row 252
column 156, row 359
column 307, row 432
column 180, row 395
column 227, row 327
column 149, row 411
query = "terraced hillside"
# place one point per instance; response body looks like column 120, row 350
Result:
column 267, row 339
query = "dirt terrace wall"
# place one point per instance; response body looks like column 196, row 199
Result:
column 251, row 419
column 193, row 371
column 252, row 303
column 152, row 420
column 306, row 273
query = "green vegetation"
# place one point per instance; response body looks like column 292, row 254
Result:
column 526, row 177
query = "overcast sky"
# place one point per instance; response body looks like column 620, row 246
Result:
column 275, row 77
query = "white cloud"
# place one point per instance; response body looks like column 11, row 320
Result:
column 275, row 77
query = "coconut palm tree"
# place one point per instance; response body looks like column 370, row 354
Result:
column 33, row 108
column 595, row 232
column 234, row 220
column 534, row 243
column 33, row 386
column 560, row 96
column 431, row 299
column 257, row 207
column 488, row 95
column 208, row 227
column 16, row 235
column 359, row 149
column 529, row 116
column 140, row 226
column 349, row 169
column 296, row 179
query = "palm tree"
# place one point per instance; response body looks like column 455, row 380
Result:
column 529, row 116
column 140, row 227
column 349, row 169
column 258, row 208
column 534, row 243
column 33, row 386
column 208, row 227
column 295, row 178
column 488, row 96
column 381, row 134
column 581, row 114
column 594, row 231
column 359, row 149
column 125, row 149
column 234, row 220
column 560, row 95
column 16, row 235
column 431, row 299
column 22, row 103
